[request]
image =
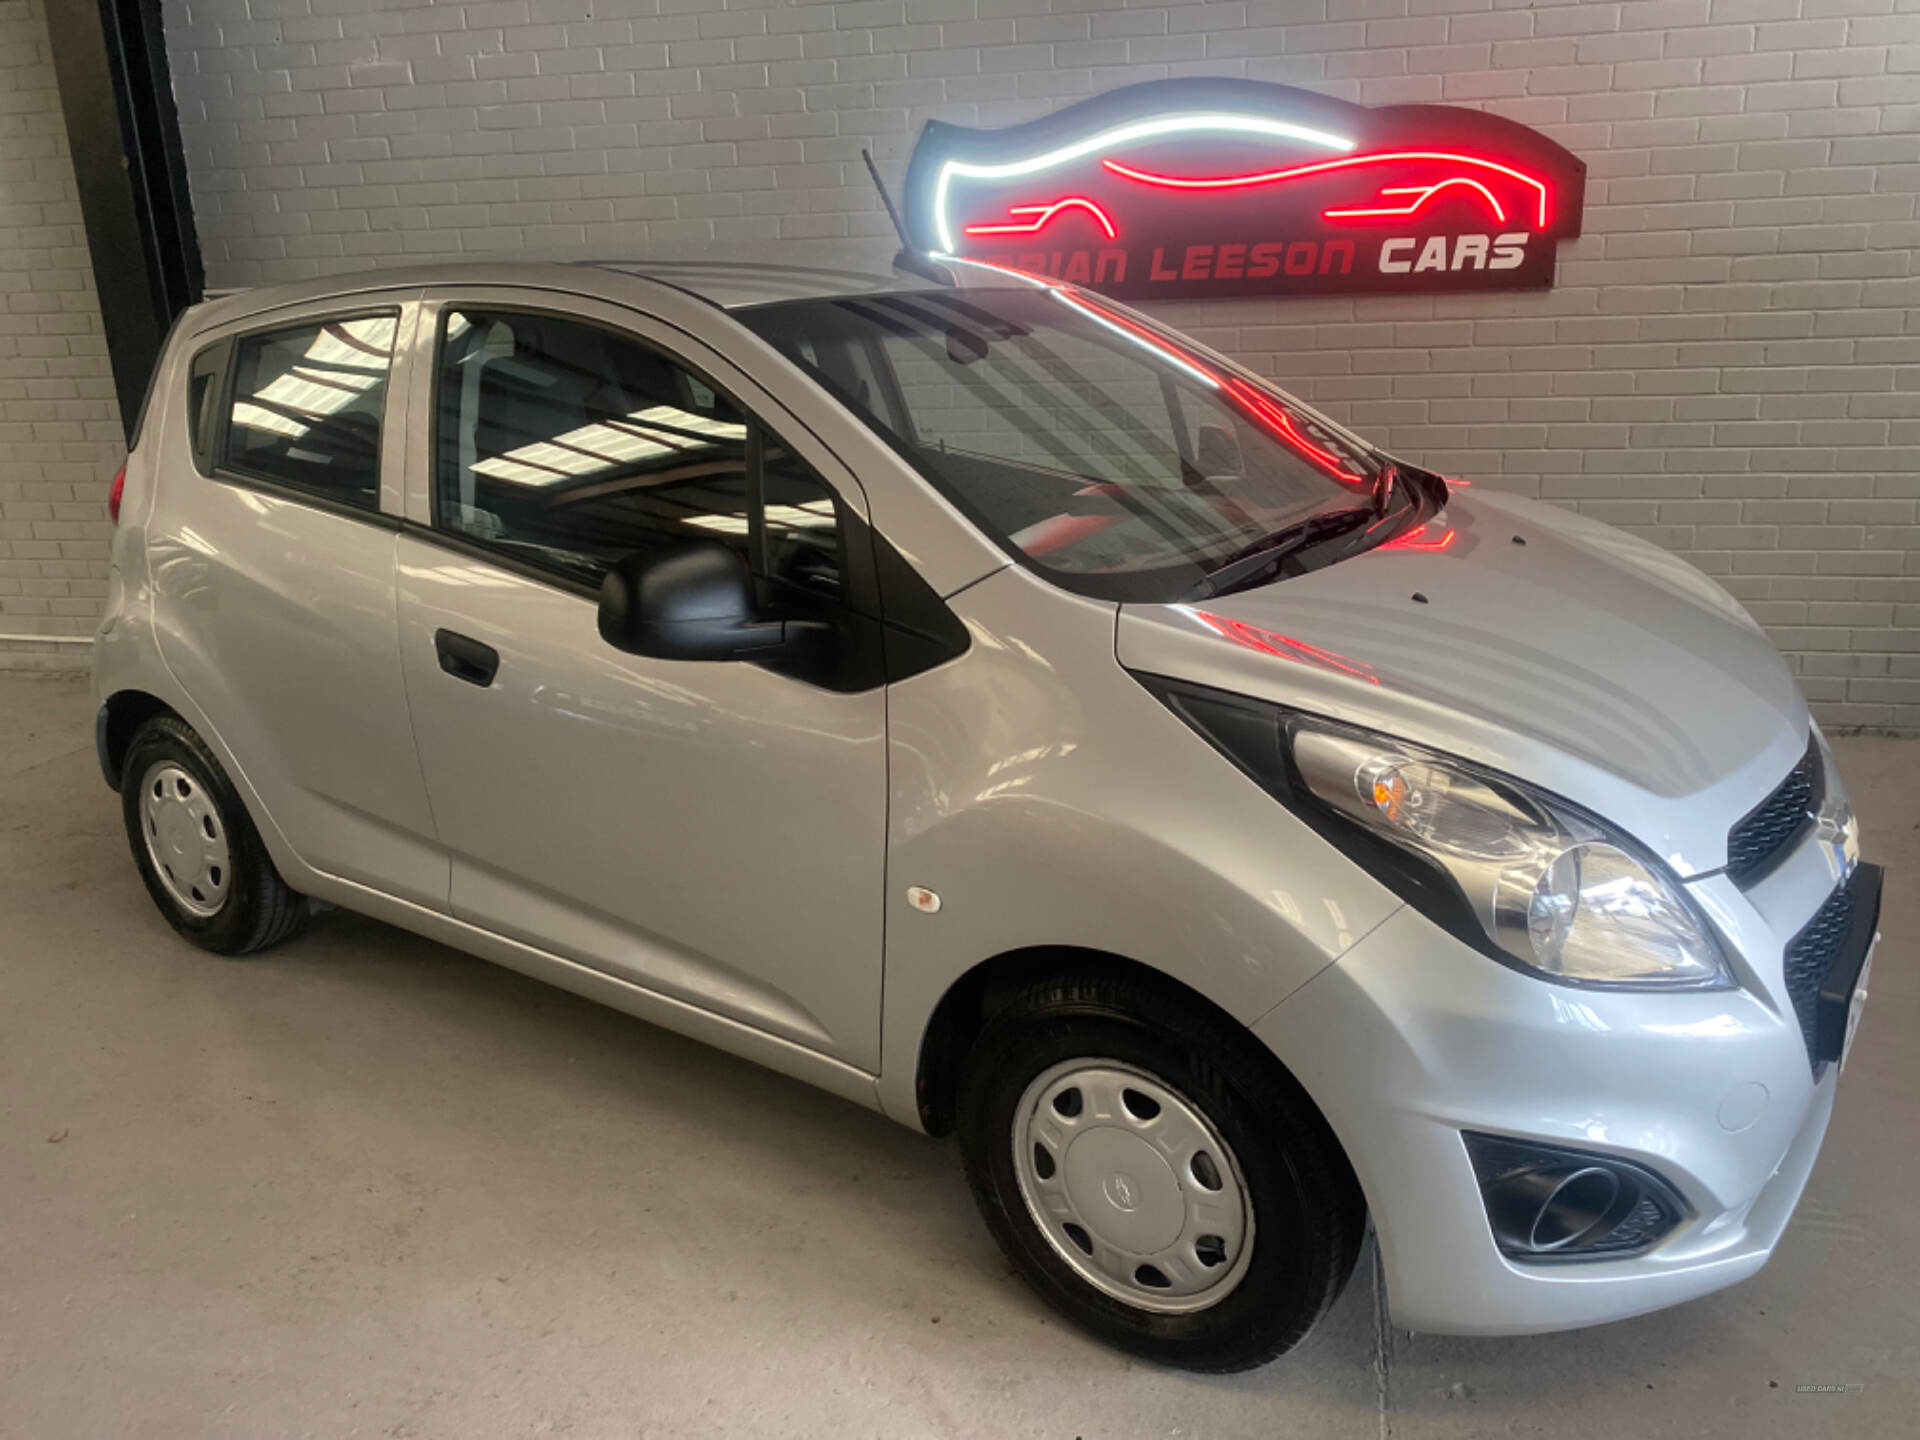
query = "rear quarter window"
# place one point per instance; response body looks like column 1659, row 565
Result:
column 305, row 403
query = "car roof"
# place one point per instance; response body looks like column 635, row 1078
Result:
column 732, row 284
column 727, row 283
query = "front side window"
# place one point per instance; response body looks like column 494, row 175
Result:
column 1101, row 451
column 570, row 447
column 306, row 405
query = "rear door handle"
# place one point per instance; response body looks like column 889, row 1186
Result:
column 465, row 658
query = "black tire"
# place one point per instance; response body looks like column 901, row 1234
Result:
column 1309, row 1217
column 259, row 910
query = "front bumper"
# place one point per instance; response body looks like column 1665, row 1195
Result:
column 1412, row 1038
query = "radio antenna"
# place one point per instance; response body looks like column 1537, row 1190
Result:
column 908, row 259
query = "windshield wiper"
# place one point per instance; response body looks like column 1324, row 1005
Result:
column 1272, row 551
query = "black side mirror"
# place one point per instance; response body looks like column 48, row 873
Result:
column 693, row 602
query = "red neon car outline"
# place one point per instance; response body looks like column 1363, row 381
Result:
column 1043, row 214
column 1346, row 162
column 1424, row 194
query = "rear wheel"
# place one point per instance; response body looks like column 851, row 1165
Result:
column 197, row 849
column 1158, row 1180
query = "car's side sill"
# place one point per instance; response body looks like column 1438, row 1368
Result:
column 847, row 1081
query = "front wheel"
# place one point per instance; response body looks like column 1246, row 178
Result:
column 1159, row 1181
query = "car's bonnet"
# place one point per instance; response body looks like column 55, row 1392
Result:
column 1528, row 639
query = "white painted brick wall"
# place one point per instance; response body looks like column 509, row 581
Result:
column 1728, row 364
column 59, row 423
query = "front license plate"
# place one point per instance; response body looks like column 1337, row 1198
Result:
column 1857, row 1004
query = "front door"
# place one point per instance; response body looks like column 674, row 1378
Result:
column 712, row 831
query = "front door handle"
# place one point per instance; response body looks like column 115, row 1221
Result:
column 465, row 658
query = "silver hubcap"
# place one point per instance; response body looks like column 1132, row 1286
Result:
column 1132, row 1186
column 186, row 839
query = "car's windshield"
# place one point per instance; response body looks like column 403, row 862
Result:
column 1106, row 454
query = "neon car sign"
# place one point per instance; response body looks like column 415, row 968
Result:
column 1183, row 188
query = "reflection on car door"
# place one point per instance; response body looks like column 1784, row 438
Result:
column 711, row 831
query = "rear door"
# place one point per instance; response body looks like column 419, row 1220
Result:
column 712, row 831
column 272, row 558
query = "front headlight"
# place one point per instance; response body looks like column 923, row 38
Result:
column 1523, row 875
column 1551, row 886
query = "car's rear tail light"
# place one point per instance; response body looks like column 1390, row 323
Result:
column 115, row 491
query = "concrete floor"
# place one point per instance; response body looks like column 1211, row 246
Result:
column 369, row 1186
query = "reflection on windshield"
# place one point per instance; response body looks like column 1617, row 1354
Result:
column 1102, row 450
column 1269, row 410
column 1287, row 431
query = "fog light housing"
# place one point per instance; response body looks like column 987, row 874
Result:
column 1547, row 1204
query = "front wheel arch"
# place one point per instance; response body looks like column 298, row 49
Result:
column 970, row 1000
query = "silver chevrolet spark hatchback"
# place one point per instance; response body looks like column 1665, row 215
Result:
column 980, row 701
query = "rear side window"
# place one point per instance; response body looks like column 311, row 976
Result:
column 569, row 447
column 305, row 405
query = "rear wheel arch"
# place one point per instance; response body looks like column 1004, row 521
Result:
column 126, row 711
